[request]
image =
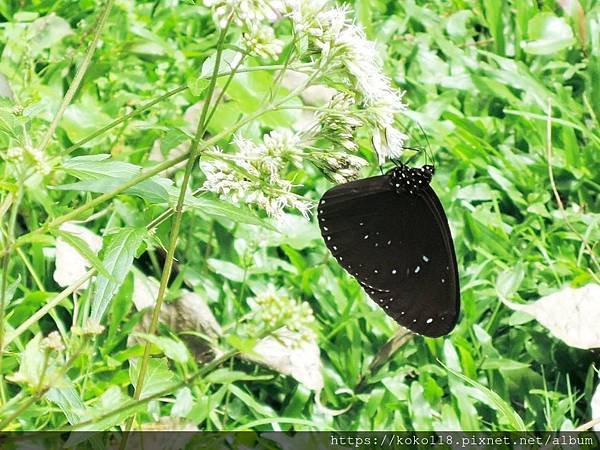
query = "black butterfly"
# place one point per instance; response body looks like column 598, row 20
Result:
column 391, row 233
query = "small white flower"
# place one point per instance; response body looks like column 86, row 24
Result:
column 254, row 174
column 53, row 342
column 388, row 143
column 261, row 41
column 244, row 12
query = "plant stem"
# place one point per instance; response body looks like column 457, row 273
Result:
column 174, row 236
column 78, row 76
column 48, row 306
column 160, row 219
column 166, row 95
column 10, row 233
column 39, row 393
column 133, row 403
column 125, row 117
column 561, row 207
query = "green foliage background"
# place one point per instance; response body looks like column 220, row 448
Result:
column 479, row 78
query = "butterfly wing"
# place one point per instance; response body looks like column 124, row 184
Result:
column 399, row 248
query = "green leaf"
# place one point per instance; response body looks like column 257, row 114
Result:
column 224, row 376
column 198, row 85
column 158, row 375
column 220, row 209
column 32, row 363
column 183, row 403
column 509, row 281
column 118, row 251
column 250, row 402
column 46, row 32
column 512, row 418
column 175, row 350
column 172, row 139
column 84, row 250
column 83, row 118
column 110, row 399
column 100, row 174
column 69, row 401
column 549, row 34
column 227, row 269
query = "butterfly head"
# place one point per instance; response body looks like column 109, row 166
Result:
column 411, row 179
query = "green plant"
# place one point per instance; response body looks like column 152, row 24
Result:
column 168, row 158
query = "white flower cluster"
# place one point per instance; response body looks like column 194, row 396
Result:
column 243, row 12
column 254, row 174
column 32, row 156
column 346, row 59
column 261, row 41
column 345, row 43
column 341, row 43
column 258, row 39
column 53, row 342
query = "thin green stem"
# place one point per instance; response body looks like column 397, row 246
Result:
column 174, row 236
column 48, row 306
column 125, row 117
column 160, row 219
column 78, row 76
column 39, row 393
column 559, row 202
column 222, row 93
column 146, row 106
column 4, row 282
column 132, row 404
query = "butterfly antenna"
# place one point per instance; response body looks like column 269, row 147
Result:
column 412, row 137
column 428, row 144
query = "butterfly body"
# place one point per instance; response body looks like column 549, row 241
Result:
column 390, row 232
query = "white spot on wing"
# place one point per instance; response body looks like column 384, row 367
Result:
column 425, row 258
column 417, row 269
column 429, row 320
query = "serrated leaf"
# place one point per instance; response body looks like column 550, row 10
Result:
column 158, row 375
column 118, row 253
